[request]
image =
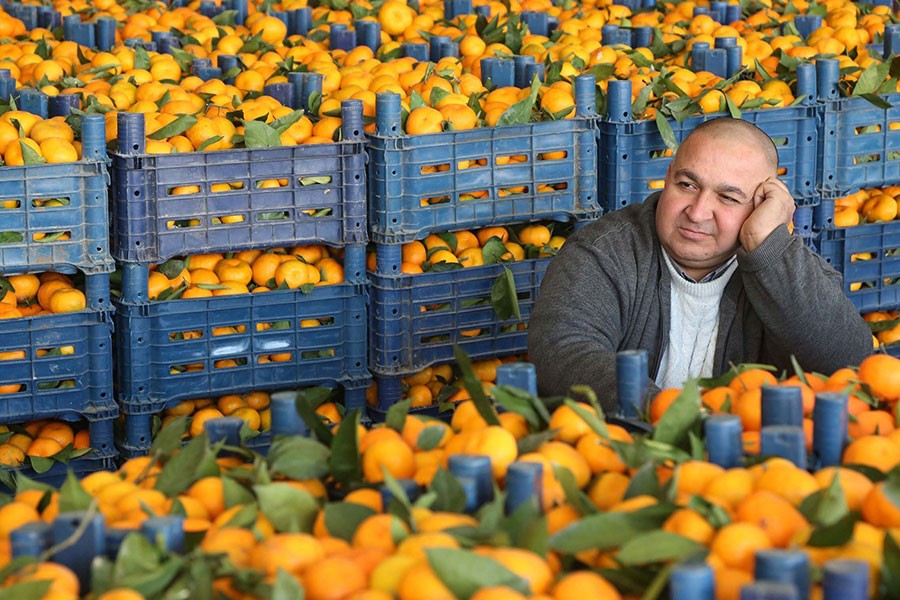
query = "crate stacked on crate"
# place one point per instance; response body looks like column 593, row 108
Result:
column 457, row 190
column 635, row 156
column 202, row 345
column 858, row 157
column 55, row 331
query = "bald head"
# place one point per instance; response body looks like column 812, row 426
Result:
column 740, row 132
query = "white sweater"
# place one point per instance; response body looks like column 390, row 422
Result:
column 694, row 327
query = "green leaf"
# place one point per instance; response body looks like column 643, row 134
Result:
column 344, row 461
column 430, row 437
column 176, row 127
column 41, row 464
column 680, row 417
column 343, row 518
column 596, row 424
column 827, row 506
column 645, row 482
column 29, row 155
column 871, row 78
column 519, row 402
column 533, row 441
column 889, row 580
column 196, row 460
column 168, row 439
column 209, row 142
column 141, row 58
column 574, row 495
column 260, row 135
column 72, row 497
column 732, row 108
column 397, row 414
column 289, row 509
column 658, row 546
column 504, row 297
column 450, row 494
column 235, row 494
column 493, row 250
column 876, row 101
column 837, row 533
column 298, row 457
column 286, row 585
column 474, row 387
column 665, row 130
column 136, row 555
column 416, row 101
column 307, row 402
column 527, row 527
column 26, row 590
column 605, row 531
column 521, row 111
column 464, row 572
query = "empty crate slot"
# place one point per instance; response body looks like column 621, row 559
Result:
column 218, row 188
column 549, row 188
column 183, row 190
column 54, row 352
column 314, row 354
column 49, row 202
column 266, row 326
column 10, row 204
column 554, row 155
column 227, row 219
column 476, row 195
column 12, row 355
column 263, row 184
column 432, row 200
column 51, row 236
column 230, row 363
column 471, row 164
column 228, row 330
column 863, row 129
column 180, row 336
column 182, row 223
column 281, row 215
column 56, row 384
column 275, row 358
column 315, row 180
column 517, row 190
column 428, row 169
column 507, row 159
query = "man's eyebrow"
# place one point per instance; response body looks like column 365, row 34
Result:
column 722, row 189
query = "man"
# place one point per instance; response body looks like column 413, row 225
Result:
column 702, row 275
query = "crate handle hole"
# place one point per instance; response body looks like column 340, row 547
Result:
column 140, row 388
column 137, row 193
column 103, row 394
column 624, row 157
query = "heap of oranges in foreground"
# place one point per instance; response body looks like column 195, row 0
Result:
column 247, row 271
column 588, row 469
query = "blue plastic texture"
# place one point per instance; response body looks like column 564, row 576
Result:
column 156, row 340
column 75, row 348
column 423, row 183
column 867, row 257
column 320, row 178
column 417, row 319
column 102, row 457
column 72, row 235
column 859, row 144
column 136, row 435
column 633, row 158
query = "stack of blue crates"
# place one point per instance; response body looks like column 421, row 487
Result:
column 326, row 178
column 66, row 367
column 458, row 180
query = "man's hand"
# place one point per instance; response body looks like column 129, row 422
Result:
column 772, row 206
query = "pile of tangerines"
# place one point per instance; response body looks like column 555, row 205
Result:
column 246, row 271
column 465, row 249
column 29, row 295
column 356, row 547
column 43, row 439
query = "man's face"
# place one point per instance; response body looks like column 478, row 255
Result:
column 708, row 195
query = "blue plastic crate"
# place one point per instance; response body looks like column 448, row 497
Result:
column 859, row 143
column 634, row 158
column 417, row 319
column 73, row 231
column 424, row 183
column 846, row 248
column 156, row 340
column 102, row 456
column 324, row 200
column 75, row 348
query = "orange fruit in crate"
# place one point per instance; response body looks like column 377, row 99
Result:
column 67, row 300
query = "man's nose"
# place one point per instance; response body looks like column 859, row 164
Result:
column 701, row 208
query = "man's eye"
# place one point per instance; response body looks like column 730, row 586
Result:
column 685, row 184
